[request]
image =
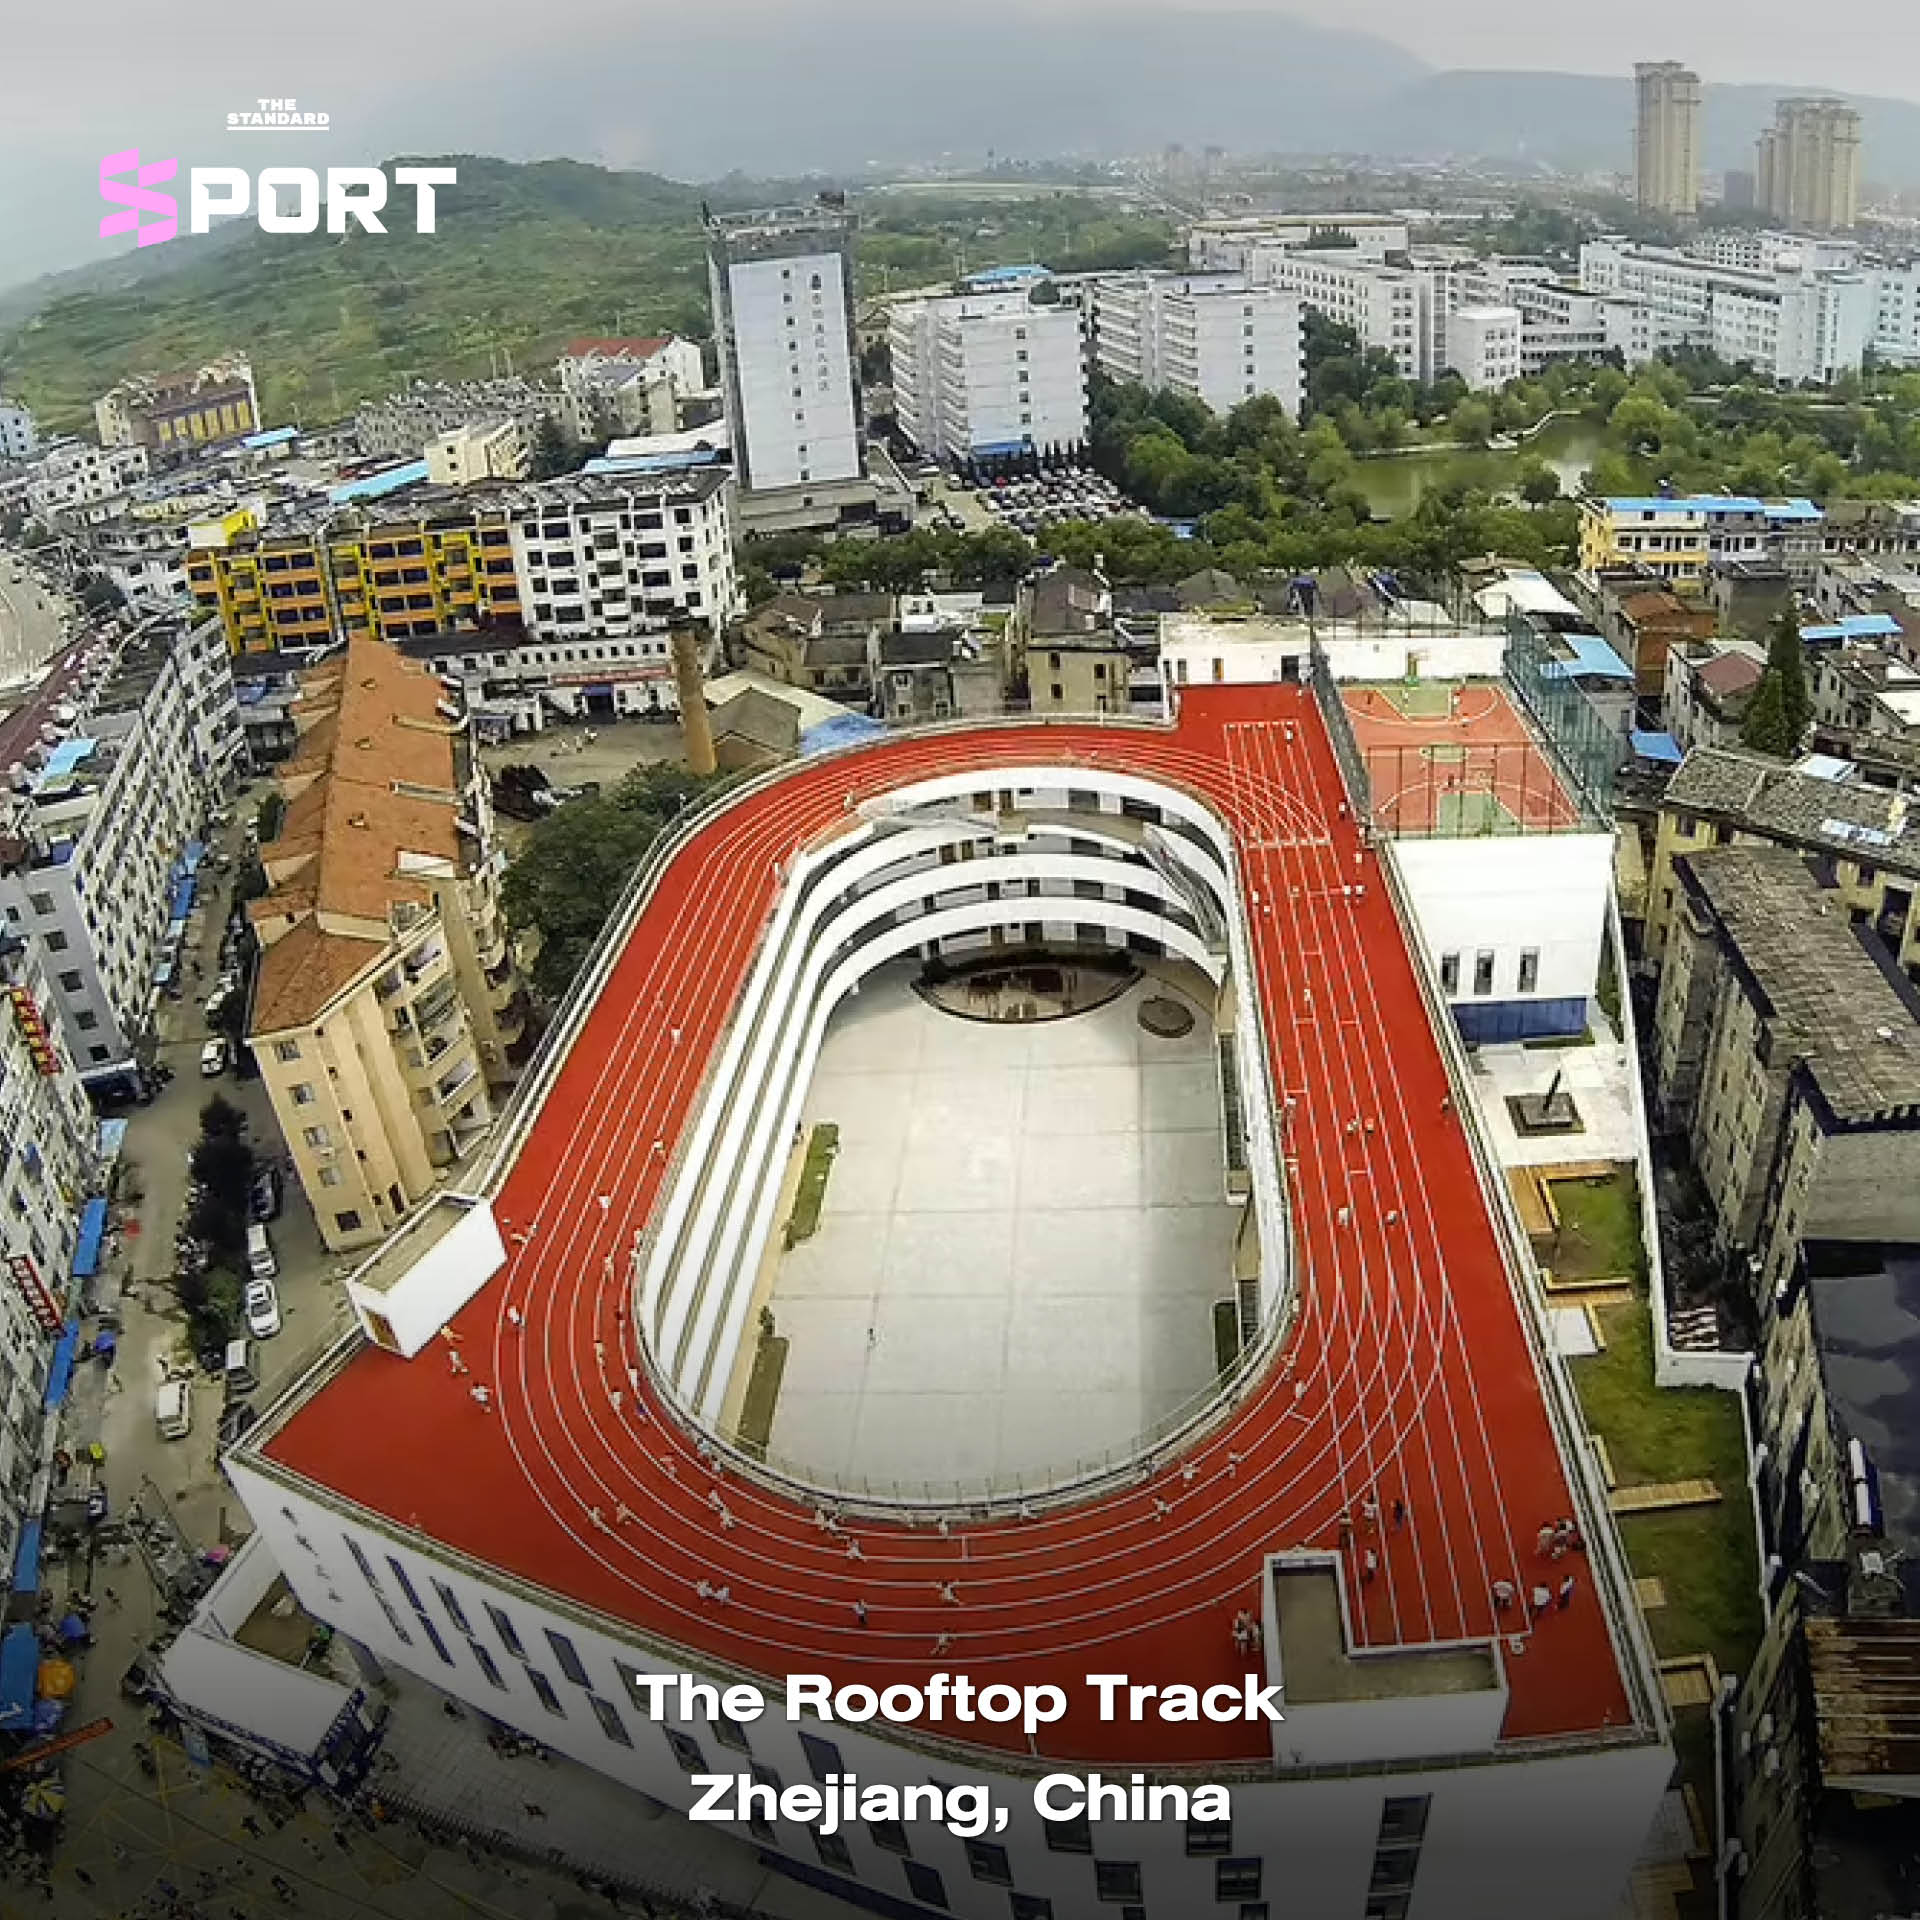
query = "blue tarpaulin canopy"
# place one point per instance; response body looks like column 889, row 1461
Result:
column 93, row 1230
column 182, row 903
column 26, row 1559
column 1661, row 748
column 19, row 1668
column 60, row 1374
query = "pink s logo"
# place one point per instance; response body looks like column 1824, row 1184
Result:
column 135, row 196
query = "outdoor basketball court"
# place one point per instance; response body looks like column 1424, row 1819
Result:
column 1454, row 758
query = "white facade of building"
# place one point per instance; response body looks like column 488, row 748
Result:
column 1215, row 337
column 782, row 287
column 1388, row 307
column 618, row 386
column 103, row 839
column 1483, row 346
column 983, row 374
column 1796, row 326
column 47, row 1136
column 75, row 473
column 1226, row 246
column 565, row 1678
column 18, row 434
column 484, row 450
column 603, row 556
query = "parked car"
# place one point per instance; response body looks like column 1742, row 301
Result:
column 263, row 1203
column 213, row 1058
column 262, row 1309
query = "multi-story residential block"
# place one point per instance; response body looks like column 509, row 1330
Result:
column 386, row 1004
column 404, row 422
column 1666, row 147
column 820, row 642
column 1864, row 836
column 47, row 1139
column 19, row 436
column 782, row 287
column 1227, row 245
column 1788, row 1057
column 1710, row 684
column 1076, row 657
column 1796, row 324
column 1678, row 538
column 1483, row 346
column 605, row 555
column 1388, row 307
column 73, row 474
column 1864, row 682
column 1808, row 171
column 388, row 570
column 1215, row 337
column 100, row 836
column 485, row 450
column 1643, row 619
column 989, row 376
column 181, row 411
column 613, row 386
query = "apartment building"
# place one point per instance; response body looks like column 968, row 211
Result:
column 19, row 436
column 601, row 556
column 101, row 838
column 1216, row 337
column 822, row 642
column 782, row 288
column 1483, row 346
column 1679, row 538
column 386, row 1006
column 1796, row 325
column 989, row 376
column 182, row 411
column 484, row 450
column 1710, row 684
column 1788, row 1058
column 47, row 1161
column 387, row 570
column 615, row 385
column 404, row 422
column 1666, row 146
column 1076, row 657
column 1558, row 321
column 1228, row 245
column 1389, row 307
column 1808, row 164
column 71, row 475
column 1863, row 837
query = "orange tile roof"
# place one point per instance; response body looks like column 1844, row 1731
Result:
column 373, row 780
column 303, row 970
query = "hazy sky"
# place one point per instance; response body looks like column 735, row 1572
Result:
column 576, row 76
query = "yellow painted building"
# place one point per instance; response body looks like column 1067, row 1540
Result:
column 356, row 574
column 179, row 411
column 387, row 1008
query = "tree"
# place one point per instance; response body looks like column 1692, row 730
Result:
column 1765, row 728
column 1787, row 663
column 577, row 862
column 551, row 456
column 1539, row 484
column 1472, row 421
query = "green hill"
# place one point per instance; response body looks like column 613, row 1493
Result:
column 525, row 257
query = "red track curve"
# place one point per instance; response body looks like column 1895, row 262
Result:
column 1409, row 1375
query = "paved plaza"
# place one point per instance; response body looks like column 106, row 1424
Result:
column 1023, row 1237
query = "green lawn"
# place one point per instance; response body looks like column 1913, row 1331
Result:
column 1704, row 1556
column 1599, row 1237
column 804, row 1222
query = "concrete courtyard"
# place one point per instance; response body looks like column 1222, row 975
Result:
column 1023, row 1236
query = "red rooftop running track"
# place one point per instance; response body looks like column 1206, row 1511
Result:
column 1408, row 1377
